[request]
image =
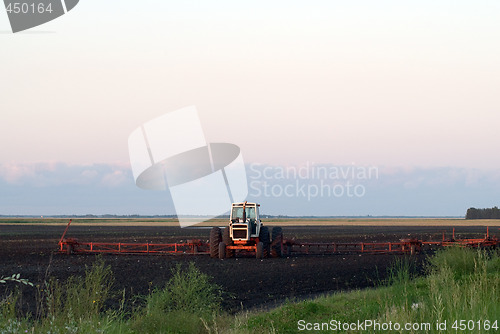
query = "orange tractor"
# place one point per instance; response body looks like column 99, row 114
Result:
column 245, row 233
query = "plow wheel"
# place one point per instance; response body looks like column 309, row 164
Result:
column 266, row 241
column 226, row 238
column 277, row 243
column 215, row 239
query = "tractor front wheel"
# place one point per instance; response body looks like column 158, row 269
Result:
column 226, row 238
column 215, row 239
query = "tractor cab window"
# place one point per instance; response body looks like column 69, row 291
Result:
column 250, row 213
column 251, row 217
column 238, row 213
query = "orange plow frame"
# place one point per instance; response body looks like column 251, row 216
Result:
column 198, row 247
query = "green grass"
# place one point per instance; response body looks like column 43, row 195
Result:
column 73, row 307
column 460, row 284
column 187, row 301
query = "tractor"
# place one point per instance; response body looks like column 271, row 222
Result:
column 245, row 232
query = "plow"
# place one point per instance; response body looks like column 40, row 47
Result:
column 290, row 247
column 246, row 234
column 410, row 246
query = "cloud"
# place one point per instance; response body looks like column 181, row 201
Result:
column 411, row 191
column 21, row 173
column 60, row 188
column 89, row 174
column 439, row 177
column 50, row 174
column 12, row 173
column 115, row 178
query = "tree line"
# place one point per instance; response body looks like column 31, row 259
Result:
column 487, row 213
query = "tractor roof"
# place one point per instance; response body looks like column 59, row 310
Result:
column 247, row 204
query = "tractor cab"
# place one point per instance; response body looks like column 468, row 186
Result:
column 244, row 221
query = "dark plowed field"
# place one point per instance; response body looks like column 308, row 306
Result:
column 31, row 250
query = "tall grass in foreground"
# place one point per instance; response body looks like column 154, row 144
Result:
column 71, row 307
column 187, row 303
column 461, row 284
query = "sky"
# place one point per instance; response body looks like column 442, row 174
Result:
column 408, row 87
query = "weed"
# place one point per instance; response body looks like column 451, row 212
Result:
column 184, row 305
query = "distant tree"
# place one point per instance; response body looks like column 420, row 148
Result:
column 496, row 213
column 487, row 213
column 472, row 213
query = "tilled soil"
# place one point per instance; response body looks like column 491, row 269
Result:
column 31, row 251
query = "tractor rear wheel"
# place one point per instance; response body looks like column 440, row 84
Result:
column 277, row 243
column 266, row 240
column 226, row 238
column 259, row 251
column 215, row 239
column 222, row 250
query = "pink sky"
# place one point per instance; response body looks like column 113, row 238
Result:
column 387, row 84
